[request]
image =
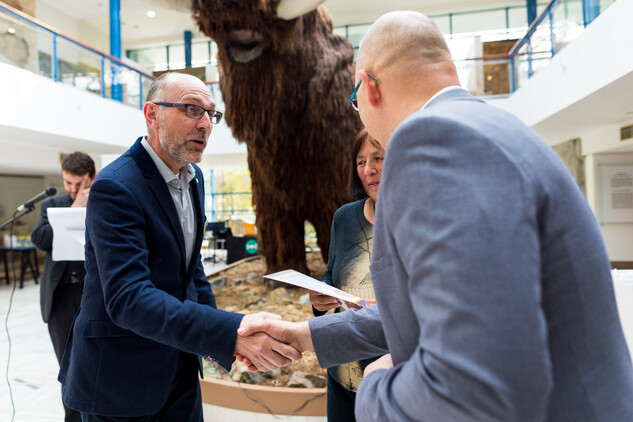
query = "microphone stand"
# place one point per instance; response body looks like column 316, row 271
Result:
column 16, row 217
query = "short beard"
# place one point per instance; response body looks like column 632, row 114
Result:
column 175, row 150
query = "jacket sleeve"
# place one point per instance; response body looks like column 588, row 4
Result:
column 42, row 235
column 203, row 288
column 469, row 249
column 118, row 231
column 356, row 335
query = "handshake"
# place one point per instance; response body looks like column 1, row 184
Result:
column 265, row 341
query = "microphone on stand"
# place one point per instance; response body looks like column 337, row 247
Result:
column 50, row 191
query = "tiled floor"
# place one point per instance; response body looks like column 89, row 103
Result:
column 33, row 367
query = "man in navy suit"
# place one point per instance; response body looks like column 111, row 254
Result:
column 495, row 299
column 148, row 312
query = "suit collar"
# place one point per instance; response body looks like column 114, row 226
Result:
column 447, row 94
column 143, row 160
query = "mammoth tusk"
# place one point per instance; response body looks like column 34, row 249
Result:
column 290, row 9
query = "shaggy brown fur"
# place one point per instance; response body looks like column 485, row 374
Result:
column 290, row 106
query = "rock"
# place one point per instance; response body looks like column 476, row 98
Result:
column 271, row 375
column 273, row 284
column 212, row 370
column 218, row 282
column 253, row 278
column 249, row 377
column 305, row 300
column 253, row 300
column 238, row 282
column 304, row 380
column 231, row 308
column 237, row 370
column 280, row 296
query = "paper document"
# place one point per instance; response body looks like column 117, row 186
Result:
column 69, row 227
column 301, row 280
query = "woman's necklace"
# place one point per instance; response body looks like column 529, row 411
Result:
column 370, row 207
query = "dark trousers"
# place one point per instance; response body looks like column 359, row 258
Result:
column 340, row 402
column 66, row 300
column 184, row 403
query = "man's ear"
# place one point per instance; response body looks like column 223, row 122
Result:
column 150, row 111
column 372, row 88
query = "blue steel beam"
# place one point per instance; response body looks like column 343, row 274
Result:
column 531, row 11
column 115, row 47
column 590, row 10
column 187, row 48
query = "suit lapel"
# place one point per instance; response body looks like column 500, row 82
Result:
column 197, row 190
column 160, row 190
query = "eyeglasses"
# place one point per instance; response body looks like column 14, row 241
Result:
column 196, row 112
column 354, row 101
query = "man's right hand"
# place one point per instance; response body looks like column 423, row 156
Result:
column 262, row 351
column 81, row 198
column 323, row 302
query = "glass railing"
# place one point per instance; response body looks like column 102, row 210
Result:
column 42, row 49
column 172, row 56
column 560, row 23
column 37, row 47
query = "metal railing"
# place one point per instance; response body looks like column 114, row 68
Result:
column 40, row 48
column 67, row 60
column 560, row 23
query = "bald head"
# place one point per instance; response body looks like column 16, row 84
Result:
column 403, row 61
column 401, row 41
column 161, row 84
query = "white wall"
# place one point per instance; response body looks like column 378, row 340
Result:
column 594, row 67
column 94, row 37
column 618, row 237
column 36, row 103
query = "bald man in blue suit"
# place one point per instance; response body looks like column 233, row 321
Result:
column 147, row 312
column 495, row 299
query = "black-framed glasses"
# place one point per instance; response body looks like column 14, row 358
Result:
column 194, row 111
column 352, row 98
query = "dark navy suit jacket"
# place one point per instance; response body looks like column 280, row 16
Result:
column 141, row 306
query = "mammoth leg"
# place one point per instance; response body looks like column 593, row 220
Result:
column 282, row 241
column 322, row 223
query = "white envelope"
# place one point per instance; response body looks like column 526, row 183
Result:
column 301, row 280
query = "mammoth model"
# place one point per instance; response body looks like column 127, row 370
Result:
column 286, row 79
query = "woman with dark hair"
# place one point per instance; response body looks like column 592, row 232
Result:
column 348, row 265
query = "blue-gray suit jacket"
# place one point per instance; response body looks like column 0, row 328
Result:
column 141, row 306
column 494, row 291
